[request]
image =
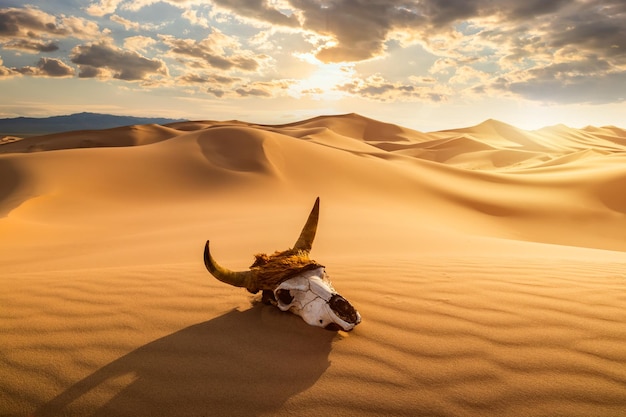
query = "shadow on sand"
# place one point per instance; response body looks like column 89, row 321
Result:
column 241, row 363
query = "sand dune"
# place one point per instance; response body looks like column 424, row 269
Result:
column 115, row 137
column 487, row 264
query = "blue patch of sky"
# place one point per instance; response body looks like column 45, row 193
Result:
column 467, row 28
column 63, row 5
column 236, row 28
column 11, row 3
column 17, row 59
column 159, row 14
column 490, row 67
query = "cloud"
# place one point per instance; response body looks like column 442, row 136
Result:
column 259, row 10
column 195, row 18
column 359, row 28
column 217, row 92
column 103, row 59
column 577, row 89
column 215, row 84
column 29, row 23
column 136, row 26
column 32, row 24
column 216, row 51
column 128, row 24
column 87, row 71
column 586, row 80
column 559, row 51
column 466, row 74
column 443, row 65
column 30, row 46
column 208, row 79
column 264, row 88
column 534, row 8
column 82, row 28
column 596, row 27
column 575, row 29
column 4, row 71
column 250, row 91
column 103, row 7
column 47, row 67
column 223, row 86
column 377, row 88
column 139, row 43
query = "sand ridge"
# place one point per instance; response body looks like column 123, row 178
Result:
column 487, row 263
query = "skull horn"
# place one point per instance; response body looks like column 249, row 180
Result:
column 244, row 279
column 305, row 241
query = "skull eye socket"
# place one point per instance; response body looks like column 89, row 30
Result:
column 343, row 308
column 284, row 296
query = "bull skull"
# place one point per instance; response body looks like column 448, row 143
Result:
column 293, row 282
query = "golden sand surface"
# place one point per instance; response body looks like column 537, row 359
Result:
column 488, row 264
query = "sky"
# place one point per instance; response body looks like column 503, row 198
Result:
column 423, row 64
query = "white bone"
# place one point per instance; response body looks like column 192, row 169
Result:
column 311, row 292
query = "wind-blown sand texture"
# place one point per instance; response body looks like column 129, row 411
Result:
column 487, row 263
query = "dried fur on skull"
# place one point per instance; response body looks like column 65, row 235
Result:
column 272, row 270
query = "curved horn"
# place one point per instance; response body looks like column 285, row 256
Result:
column 238, row 279
column 305, row 241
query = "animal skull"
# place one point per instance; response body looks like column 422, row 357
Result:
column 293, row 282
column 312, row 297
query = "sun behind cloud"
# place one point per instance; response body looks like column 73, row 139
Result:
column 324, row 80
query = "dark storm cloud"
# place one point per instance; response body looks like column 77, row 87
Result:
column 125, row 65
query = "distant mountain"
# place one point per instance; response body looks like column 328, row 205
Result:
column 29, row 126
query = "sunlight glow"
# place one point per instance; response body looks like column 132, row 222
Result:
column 320, row 85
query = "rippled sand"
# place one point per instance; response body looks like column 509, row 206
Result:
column 487, row 264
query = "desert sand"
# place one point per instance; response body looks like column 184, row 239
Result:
column 488, row 264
